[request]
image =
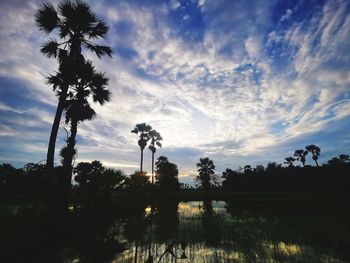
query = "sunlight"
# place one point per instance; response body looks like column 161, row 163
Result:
column 289, row 249
column 190, row 208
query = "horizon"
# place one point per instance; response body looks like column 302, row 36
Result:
column 244, row 82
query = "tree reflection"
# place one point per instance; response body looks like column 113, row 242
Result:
column 136, row 226
column 166, row 220
column 211, row 224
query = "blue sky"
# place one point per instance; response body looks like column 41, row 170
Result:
column 243, row 82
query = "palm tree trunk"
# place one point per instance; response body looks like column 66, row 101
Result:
column 316, row 163
column 141, row 160
column 54, row 130
column 152, row 168
column 68, row 157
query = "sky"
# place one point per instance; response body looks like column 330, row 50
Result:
column 241, row 82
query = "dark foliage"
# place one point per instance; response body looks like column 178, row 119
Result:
column 330, row 177
column 94, row 178
column 206, row 178
column 167, row 220
column 138, row 183
column 31, row 179
column 166, row 175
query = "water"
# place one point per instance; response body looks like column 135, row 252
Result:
column 214, row 233
column 172, row 231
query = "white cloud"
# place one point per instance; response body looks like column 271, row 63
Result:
column 253, row 47
column 287, row 15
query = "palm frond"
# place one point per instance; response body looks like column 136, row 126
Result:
column 55, row 81
column 99, row 30
column 86, row 113
column 143, row 127
column 46, row 18
column 100, row 79
column 101, row 95
column 87, row 71
column 83, row 16
column 66, row 9
column 49, row 48
column 99, row 50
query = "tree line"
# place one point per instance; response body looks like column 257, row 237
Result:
column 89, row 178
column 331, row 176
column 92, row 178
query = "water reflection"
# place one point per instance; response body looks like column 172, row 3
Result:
column 173, row 231
column 222, row 232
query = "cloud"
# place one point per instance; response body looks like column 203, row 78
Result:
column 255, row 80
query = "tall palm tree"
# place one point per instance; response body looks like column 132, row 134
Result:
column 90, row 83
column 76, row 26
column 206, row 171
column 144, row 130
column 315, row 151
column 155, row 140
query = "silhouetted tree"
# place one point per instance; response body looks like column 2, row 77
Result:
column 273, row 169
column 144, row 130
column 89, row 83
column 229, row 173
column 315, row 151
column 11, row 179
column 247, row 170
column 259, row 170
column 112, row 180
column 76, row 25
column 155, row 140
column 85, row 171
column 301, row 156
column 229, row 177
column 344, row 158
column 289, row 161
column 137, row 182
column 36, row 178
column 166, row 175
column 206, row 173
column 341, row 160
column 94, row 178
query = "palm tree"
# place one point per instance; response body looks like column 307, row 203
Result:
column 155, row 140
column 301, row 156
column 144, row 130
column 76, row 26
column 206, row 171
column 315, row 151
column 89, row 84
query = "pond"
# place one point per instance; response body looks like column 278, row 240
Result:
column 173, row 231
column 213, row 231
